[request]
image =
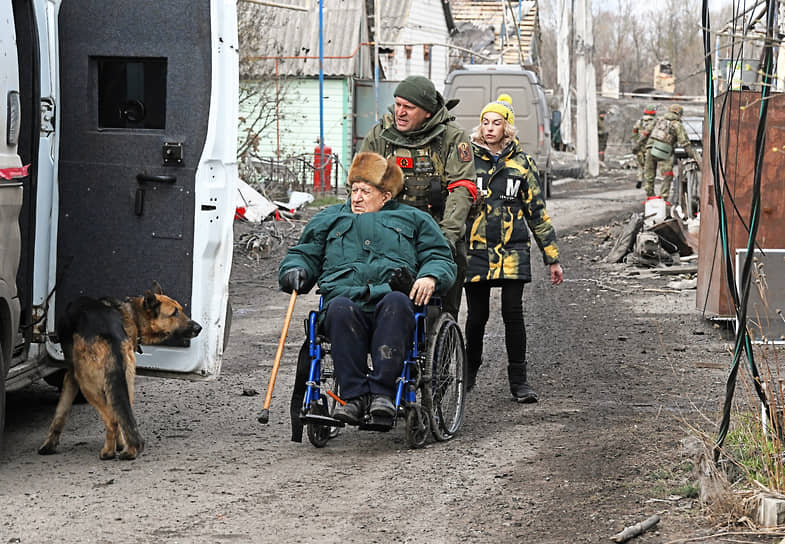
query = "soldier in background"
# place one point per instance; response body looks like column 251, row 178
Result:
column 640, row 135
column 602, row 135
column 667, row 133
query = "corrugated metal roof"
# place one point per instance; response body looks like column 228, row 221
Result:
column 491, row 13
column 393, row 17
column 267, row 31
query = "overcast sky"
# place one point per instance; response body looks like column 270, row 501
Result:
column 597, row 5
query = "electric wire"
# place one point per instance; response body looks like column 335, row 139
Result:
column 743, row 342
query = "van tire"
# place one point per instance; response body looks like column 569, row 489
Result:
column 55, row 379
column 2, row 396
column 227, row 323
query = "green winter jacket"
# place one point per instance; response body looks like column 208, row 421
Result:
column 497, row 237
column 354, row 255
column 450, row 153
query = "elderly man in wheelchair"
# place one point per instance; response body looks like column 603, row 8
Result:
column 377, row 263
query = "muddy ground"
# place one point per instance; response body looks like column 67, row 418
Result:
column 621, row 362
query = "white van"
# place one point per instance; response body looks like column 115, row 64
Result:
column 117, row 168
column 477, row 84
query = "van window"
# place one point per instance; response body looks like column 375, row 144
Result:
column 131, row 93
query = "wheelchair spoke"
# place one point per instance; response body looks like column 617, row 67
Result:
column 447, row 383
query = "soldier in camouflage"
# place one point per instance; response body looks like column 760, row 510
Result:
column 436, row 158
column 667, row 133
column 602, row 135
column 510, row 204
column 640, row 135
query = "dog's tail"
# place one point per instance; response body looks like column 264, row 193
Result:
column 117, row 395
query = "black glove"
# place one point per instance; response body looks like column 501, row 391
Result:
column 294, row 280
column 401, row 280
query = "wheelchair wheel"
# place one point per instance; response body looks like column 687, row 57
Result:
column 417, row 425
column 446, row 385
column 318, row 435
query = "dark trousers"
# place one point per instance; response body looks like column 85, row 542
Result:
column 386, row 334
column 477, row 302
column 451, row 300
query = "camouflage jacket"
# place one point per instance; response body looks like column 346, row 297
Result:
column 670, row 129
column 444, row 147
column 498, row 245
column 641, row 131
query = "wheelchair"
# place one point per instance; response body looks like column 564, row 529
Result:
column 430, row 392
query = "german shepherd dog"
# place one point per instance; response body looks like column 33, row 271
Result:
column 100, row 338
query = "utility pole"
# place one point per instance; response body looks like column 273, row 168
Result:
column 591, row 97
column 586, row 89
column 563, row 69
column 580, row 80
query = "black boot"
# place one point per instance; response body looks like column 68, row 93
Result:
column 471, row 375
column 516, row 372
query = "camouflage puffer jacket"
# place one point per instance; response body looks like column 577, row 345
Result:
column 498, row 244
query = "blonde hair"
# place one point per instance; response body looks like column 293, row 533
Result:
column 510, row 132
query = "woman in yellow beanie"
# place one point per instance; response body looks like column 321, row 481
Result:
column 498, row 240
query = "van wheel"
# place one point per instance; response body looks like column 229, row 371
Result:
column 56, row 378
column 227, row 323
column 2, row 396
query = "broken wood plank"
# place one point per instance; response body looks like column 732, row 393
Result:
column 637, row 529
column 689, row 269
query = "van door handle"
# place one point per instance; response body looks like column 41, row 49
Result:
column 141, row 179
column 162, row 178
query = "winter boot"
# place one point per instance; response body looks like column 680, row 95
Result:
column 520, row 390
column 471, row 375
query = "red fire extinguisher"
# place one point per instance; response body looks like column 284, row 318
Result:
column 322, row 168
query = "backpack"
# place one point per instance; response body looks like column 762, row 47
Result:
column 662, row 139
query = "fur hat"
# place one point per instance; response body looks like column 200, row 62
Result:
column 502, row 106
column 375, row 170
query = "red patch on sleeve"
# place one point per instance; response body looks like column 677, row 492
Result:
column 464, row 152
column 403, row 162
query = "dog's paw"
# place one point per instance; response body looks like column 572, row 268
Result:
column 106, row 455
column 128, row 455
column 47, row 448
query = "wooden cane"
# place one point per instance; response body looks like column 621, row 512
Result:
column 264, row 417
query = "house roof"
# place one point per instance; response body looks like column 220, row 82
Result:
column 487, row 14
column 291, row 38
column 392, row 18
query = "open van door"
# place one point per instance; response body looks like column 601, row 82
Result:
column 147, row 165
column 10, row 195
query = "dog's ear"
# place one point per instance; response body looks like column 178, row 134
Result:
column 157, row 288
column 151, row 303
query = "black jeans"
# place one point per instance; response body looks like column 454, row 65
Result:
column 477, row 301
column 386, row 334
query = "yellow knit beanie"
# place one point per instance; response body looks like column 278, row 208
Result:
column 502, row 106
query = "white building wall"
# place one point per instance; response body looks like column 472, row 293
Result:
column 298, row 122
column 425, row 24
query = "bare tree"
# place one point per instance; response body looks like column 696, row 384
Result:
column 637, row 38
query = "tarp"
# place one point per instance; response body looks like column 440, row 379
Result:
column 251, row 205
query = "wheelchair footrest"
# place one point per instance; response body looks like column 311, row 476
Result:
column 377, row 423
column 327, row 421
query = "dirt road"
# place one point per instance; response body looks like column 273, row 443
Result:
column 616, row 367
